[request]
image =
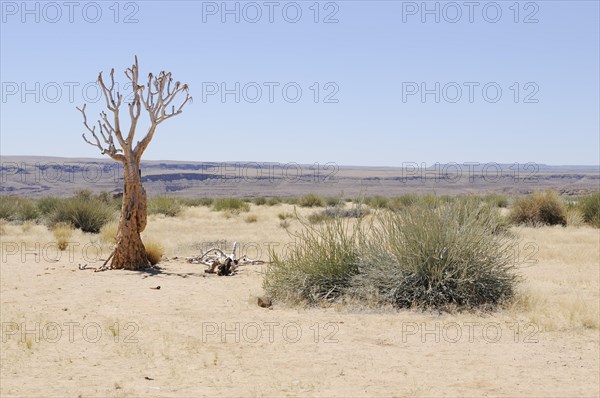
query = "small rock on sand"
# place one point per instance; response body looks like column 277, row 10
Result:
column 264, row 302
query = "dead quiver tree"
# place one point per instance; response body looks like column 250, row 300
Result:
column 158, row 99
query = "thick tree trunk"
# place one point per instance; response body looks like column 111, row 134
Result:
column 130, row 252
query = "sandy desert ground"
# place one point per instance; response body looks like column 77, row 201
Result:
column 76, row 333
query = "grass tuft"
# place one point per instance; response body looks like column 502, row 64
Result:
column 318, row 267
column 539, row 208
column 285, row 224
column 234, row 205
column 62, row 232
column 377, row 202
column 590, row 207
column 207, row 202
column 251, row 219
column 273, row 201
column 260, row 201
column 154, row 252
column 311, row 200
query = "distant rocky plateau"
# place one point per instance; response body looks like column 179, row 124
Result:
column 34, row 176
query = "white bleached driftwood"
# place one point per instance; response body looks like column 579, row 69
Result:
column 224, row 264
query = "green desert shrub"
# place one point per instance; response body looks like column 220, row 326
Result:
column 332, row 201
column 8, row 207
column 196, row 202
column 311, row 200
column 14, row 208
column 48, row 204
column 452, row 255
column 356, row 211
column 27, row 210
column 377, row 202
column 260, row 201
column 431, row 200
column 338, row 212
column 316, row 218
column 496, row 200
column 166, row 205
column 273, row 201
column 283, row 216
column 205, row 202
column 438, row 257
column 318, row 267
column 230, row 204
column 89, row 215
column 290, row 201
column 105, row 197
column 539, row 208
column 590, row 207
column 402, row 201
column 83, row 194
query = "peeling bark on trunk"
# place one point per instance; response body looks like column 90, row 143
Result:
column 130, row 252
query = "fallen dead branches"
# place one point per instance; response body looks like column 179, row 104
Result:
column 220, row 263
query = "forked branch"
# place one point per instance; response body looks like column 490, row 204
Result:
column 160, row 94
column 106, row 148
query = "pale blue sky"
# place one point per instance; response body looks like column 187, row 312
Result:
column 369, row 55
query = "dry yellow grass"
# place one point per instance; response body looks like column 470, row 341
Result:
column 575, row 218
column 108, row 233
column 561, row 291
column 154, row 251
column 196, row 335
column 62, row 232
column 198, row 227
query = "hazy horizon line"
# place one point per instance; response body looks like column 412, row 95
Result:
column 107, row 159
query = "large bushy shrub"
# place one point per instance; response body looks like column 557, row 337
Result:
column 165, row 205
column 434, row 257
column 86, row 213
column 437, row 254
column 8, row 207
column 539, row 208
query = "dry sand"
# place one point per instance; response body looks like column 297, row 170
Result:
column 109, row 334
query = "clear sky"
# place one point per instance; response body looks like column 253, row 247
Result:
column 361, row 68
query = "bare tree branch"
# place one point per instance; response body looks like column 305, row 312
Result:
column 160, row 94
column 135, row 106
column 156, row 104
column 113, row 106
column 111, row 151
